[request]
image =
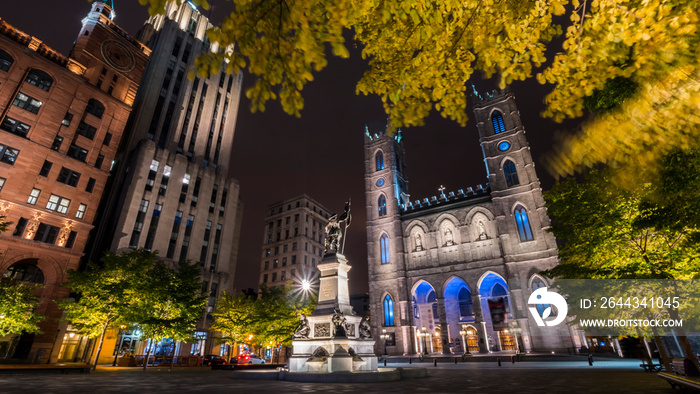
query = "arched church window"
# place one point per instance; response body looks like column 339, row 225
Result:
column 465, row 303
column 432, row 300
column 523, row 222
column 25, row 272
column 382, row 205
column 497, row 120
column 39, row 79
column 95, row 107
column 380, row 160
column 384, row 248
column 416, row 309
column 5, row 60
column 511, row 173
column 538, row 283
column 388, row 311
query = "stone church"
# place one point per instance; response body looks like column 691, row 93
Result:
column 455, row 271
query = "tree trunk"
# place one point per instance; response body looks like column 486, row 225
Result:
column 99, row 346
column 148, row 354
column 683, row 339
column 172, row 357
column 662, row 350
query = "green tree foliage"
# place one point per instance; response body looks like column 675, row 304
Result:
column 270, row 319
column 169, row 303
column 17, row 304
column 107, row 293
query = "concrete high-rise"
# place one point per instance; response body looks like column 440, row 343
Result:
column 293, row 241
column 172, row 190
column 62, row 119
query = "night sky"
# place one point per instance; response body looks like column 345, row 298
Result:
column 277, row 156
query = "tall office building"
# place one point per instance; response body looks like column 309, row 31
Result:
column 62, row 121
column 293, row 241
column 172, row 190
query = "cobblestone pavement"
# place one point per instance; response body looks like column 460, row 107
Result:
column 523, row 377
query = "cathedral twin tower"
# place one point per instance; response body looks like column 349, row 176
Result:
column 456, row 271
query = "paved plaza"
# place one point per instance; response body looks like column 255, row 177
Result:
column 522, row 377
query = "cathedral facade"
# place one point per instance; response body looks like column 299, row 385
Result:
column 453, row 273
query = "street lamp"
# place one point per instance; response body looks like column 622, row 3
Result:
column 305, row 285
column 385, row 337
column 423, row 334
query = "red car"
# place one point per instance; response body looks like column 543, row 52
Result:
column 250, row 358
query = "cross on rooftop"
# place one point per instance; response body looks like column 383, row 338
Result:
column 442, row 190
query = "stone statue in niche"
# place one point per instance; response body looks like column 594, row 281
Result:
column 449, row 239
column 482, row 230
column 303, row 329
column 365, row 329
column 419, row 242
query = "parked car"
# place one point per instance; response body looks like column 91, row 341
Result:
column 213, row 360
column 250, row 358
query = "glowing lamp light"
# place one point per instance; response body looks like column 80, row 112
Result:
column 306, row 285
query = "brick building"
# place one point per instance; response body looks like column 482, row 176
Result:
column 62, row 121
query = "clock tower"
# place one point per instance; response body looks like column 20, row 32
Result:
column 114, row 60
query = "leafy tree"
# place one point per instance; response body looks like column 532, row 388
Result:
column 17, row 304
column 106, row 293
column 233, row 317
column 169, row 304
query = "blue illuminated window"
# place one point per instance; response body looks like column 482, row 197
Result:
column 497, row 120
column 380, row 160
column 511, row 173
column 384, row 248
column 382, row 205
column 465, row 303
column 523, row 222
column 504, row 146
column 388, row 311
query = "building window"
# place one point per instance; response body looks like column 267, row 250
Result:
column 71, row 240
column 465, row 303
column 275, row 263
column 15, row 127
column 384, row 248
column 379, row 158
column 523, row 222
column 69, row 177
column 46, row 168
column 2, row 183
column 185, row 188
column 164, row 180
column 57, row 143
column 274, row 277
column 511, row 173
column 195, row 192
column 77, row 153
column 173, row 235
column 67, row 119
column 284, row 261
column 86, row 130
column 152, row 172
column 222, row 206
column 58, row 204
column 294, row 259
column 46, row 234
column 186, row 238
column 283, row 276
column 25, row 272
column 215, row 252
column 497, row 121
column 90, row 185
column 382, row 205
column 388, row 311
column 95, row 108
column 5, row 60
column 8, row 154
column 33, row 196
column 138, row 224
column 536, row 284
column 19, row 228
column 26, row 102
column 107, row 140
column 212, row 202
column 81, row 211
column 39, row 79
column 267, row 265
column 99, row 161
column 151, row 235
column 416, row 309
column 265, row 278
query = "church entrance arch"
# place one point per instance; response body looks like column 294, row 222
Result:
column 459, row 309
column 495, row 303
column 425, row 317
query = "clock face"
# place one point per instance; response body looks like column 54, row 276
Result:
column 504, row 146
column 380, row 182
column 118, row 56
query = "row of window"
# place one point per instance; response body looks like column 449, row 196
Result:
column 283, row 276
column 44, row 233
column 298, row 205
column 276, row 262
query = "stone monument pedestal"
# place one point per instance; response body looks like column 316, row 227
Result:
column 333, row 346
